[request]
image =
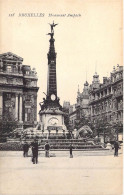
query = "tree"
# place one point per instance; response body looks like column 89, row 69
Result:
column 7, row 124
column 83, row 121
column 117, row 127
column 102, row 126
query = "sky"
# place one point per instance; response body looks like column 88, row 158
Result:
column 89, row 42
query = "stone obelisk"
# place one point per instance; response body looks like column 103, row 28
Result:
column 51, row 115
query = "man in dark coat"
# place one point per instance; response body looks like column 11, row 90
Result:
column 35, row 151
column 47, row 148
column 25, row 149
column 71, row 148
column 116, row 147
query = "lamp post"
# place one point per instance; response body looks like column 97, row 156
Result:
column 117, row 128
column 104, row 136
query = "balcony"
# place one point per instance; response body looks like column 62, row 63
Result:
column 100, row 99
column 13, row 73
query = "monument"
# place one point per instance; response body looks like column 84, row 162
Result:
column 51, row 115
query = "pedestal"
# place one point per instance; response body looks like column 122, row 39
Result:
column 53, row 122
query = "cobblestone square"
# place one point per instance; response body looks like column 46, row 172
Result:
column 86, row 173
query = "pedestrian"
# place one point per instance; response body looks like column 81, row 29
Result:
column 71, row 148
column 25, row 149
column 116, row 147
column 30, row 150
column 47, row 148
column 34, row 151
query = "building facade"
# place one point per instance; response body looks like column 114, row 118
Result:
column 81, row 108
column 106, row 99
column 18, row 90
column 72, row 115
column 82, row 105
column 66, row 105
column 101, row 103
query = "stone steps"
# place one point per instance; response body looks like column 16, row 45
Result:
column 75, row 148
column 57, row 144
column 64, row 144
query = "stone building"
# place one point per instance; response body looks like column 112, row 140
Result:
column 81, row 108
column 101, row 102
column 106, row 99
column 72, row 115
column 66, row 105
column 18, row 90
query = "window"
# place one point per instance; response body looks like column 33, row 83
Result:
column 10, row 109
column 25, row 116
column 8, row 95
column 29, row 111
column 98, row 95
column 9, row 69
column 27, row 72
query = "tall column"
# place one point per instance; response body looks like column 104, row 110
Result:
column 62, row 120
column 107, row 91
column 91, row 110
column 103, row 93
column 111, row 89
column 16, row 107
column 20, row 108
column 1, row 105
column 35, row 109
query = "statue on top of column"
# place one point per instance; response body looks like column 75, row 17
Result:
column 52, row 27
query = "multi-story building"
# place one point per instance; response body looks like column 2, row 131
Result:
column 106, row 99
column 18, row 90
column 101, row 102
column 81, row 108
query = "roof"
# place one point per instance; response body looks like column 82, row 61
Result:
column 11, row 56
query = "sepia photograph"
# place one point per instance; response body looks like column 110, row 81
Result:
column 61, row 97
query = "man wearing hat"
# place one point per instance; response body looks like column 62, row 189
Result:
column 35, row 151
column 25, row 149
column 47, row 148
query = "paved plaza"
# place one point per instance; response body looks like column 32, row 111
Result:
column 95, row 173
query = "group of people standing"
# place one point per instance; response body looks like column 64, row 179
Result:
column 34, row 148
